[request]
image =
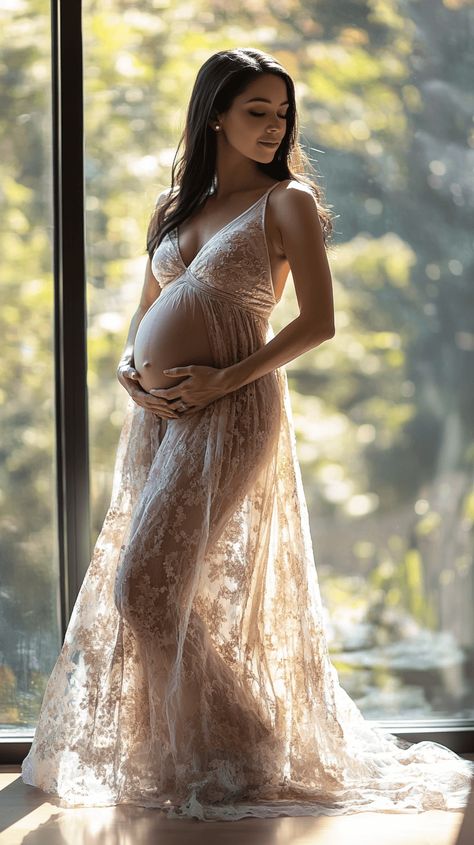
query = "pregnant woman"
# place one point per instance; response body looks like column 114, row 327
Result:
column 194, row 675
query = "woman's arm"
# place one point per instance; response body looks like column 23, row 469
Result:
column 295, row 214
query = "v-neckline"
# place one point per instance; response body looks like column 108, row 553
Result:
column 218, row 232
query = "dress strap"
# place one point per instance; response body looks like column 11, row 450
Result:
column 264, row 197
column 274, row 186
column 267, row 193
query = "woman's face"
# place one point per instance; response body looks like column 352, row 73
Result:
column 256, row 115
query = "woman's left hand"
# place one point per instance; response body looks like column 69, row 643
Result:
column 202, row 386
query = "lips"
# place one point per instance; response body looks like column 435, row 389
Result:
column 269, row 143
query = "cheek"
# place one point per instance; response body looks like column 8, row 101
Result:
column 243, row 131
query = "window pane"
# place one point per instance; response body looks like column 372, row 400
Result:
column 383, row 412
column 29, row 596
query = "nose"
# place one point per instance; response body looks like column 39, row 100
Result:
column 273, row 125
column 271, row 130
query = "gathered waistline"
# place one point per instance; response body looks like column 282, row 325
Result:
column 187, row 277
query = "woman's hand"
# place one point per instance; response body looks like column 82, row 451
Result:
column 202, row 386
column 128, row 378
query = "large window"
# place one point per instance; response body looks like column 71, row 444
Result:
column 383, row 411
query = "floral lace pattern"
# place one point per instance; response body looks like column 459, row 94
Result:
column 194, row 675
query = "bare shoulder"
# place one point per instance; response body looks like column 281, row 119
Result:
column 293, row 198
column 293, row 213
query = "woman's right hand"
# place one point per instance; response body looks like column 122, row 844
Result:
column 128, row 378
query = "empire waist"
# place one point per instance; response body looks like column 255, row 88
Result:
column 248, row 298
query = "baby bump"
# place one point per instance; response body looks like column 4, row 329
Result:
column 172, row 333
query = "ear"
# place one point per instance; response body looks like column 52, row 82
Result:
column 214, row 121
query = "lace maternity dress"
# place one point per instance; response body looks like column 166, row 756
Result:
column 194, row 674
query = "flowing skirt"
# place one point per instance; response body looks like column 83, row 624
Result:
column 194, row 675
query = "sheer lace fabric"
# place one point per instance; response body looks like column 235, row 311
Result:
column 194, row 675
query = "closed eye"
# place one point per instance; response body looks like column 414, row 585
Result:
column 261, row 114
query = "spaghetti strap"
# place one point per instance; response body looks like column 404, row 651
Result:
column 274, row 186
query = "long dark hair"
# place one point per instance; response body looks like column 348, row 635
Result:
column 222, row 77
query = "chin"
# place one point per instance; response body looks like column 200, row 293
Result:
column 265, row 154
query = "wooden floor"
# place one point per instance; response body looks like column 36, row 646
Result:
column 28, row 817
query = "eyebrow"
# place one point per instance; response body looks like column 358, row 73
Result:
column 264, row 100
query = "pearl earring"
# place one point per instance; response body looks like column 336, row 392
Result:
column 217, row 127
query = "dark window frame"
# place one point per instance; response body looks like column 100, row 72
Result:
column 70, row 305
column 70, row 349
